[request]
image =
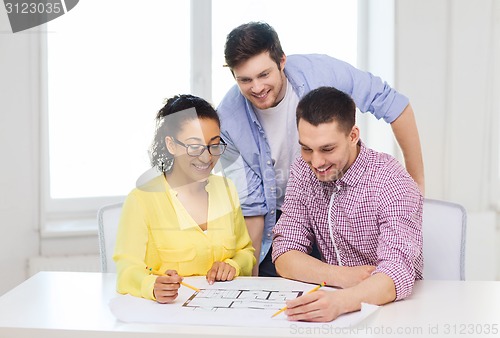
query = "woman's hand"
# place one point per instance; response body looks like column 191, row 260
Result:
column 165, row 288
column 220, row 271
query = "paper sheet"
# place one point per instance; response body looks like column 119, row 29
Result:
column 241, row 302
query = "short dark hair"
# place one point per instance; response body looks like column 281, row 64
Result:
column 251, row 39
column 327, row 104
column 169, row 120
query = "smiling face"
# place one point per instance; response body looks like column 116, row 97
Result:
column 260, row 80
column 327, row 149
column 186, row 168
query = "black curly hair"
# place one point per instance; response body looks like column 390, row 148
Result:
column 169, row 122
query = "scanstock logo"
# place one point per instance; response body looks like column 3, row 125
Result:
column 25, row 14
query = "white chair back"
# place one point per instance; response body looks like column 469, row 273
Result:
column 108, row 218
column 444, row 232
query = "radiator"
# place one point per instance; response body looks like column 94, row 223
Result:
column 82, row 263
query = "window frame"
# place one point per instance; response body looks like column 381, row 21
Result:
column 495, row 144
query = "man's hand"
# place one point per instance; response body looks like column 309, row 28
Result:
column 325, row 306
column 166, row 287
column 347, row 276
column 220, row 271
column 300, row 266
column 321, row 306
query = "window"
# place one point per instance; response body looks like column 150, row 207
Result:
column 317, row 26
column 110, row 64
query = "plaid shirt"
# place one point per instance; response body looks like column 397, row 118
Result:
column 376, row 218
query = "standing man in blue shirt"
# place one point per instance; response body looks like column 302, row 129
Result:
column 258, row 122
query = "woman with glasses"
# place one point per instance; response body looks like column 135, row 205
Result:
column 186, row 221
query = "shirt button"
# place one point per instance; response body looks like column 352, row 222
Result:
column 273, row 189
column 272, row 212
column 269, row 162
column 268, row 235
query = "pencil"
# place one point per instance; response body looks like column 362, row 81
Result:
column 310, row 291
column 158, row 273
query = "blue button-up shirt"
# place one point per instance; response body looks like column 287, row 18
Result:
column 247, row 159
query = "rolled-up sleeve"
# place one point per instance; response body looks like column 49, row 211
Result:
column 400, row 243
column 373, row 95
column 369, row 92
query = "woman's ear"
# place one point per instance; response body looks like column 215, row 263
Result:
column 170, row 144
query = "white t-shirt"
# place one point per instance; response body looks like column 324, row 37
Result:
column 280, row 126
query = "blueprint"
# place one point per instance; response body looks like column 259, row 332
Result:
column 242, row 299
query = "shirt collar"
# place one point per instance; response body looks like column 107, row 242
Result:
column 298, row 85
column 356, row 171
column 184, row 219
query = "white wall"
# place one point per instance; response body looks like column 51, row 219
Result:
column 20, row 162
column 19, row 168
column 445, row 62
column 448, row 62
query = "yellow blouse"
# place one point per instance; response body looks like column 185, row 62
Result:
column 156, row 231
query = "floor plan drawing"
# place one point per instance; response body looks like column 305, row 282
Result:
column 213, row 299
column 248, row 302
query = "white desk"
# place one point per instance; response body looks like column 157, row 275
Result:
column 72, row 304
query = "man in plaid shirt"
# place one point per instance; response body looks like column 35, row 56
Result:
column 361, row 207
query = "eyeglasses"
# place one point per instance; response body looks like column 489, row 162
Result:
column 196, row 150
